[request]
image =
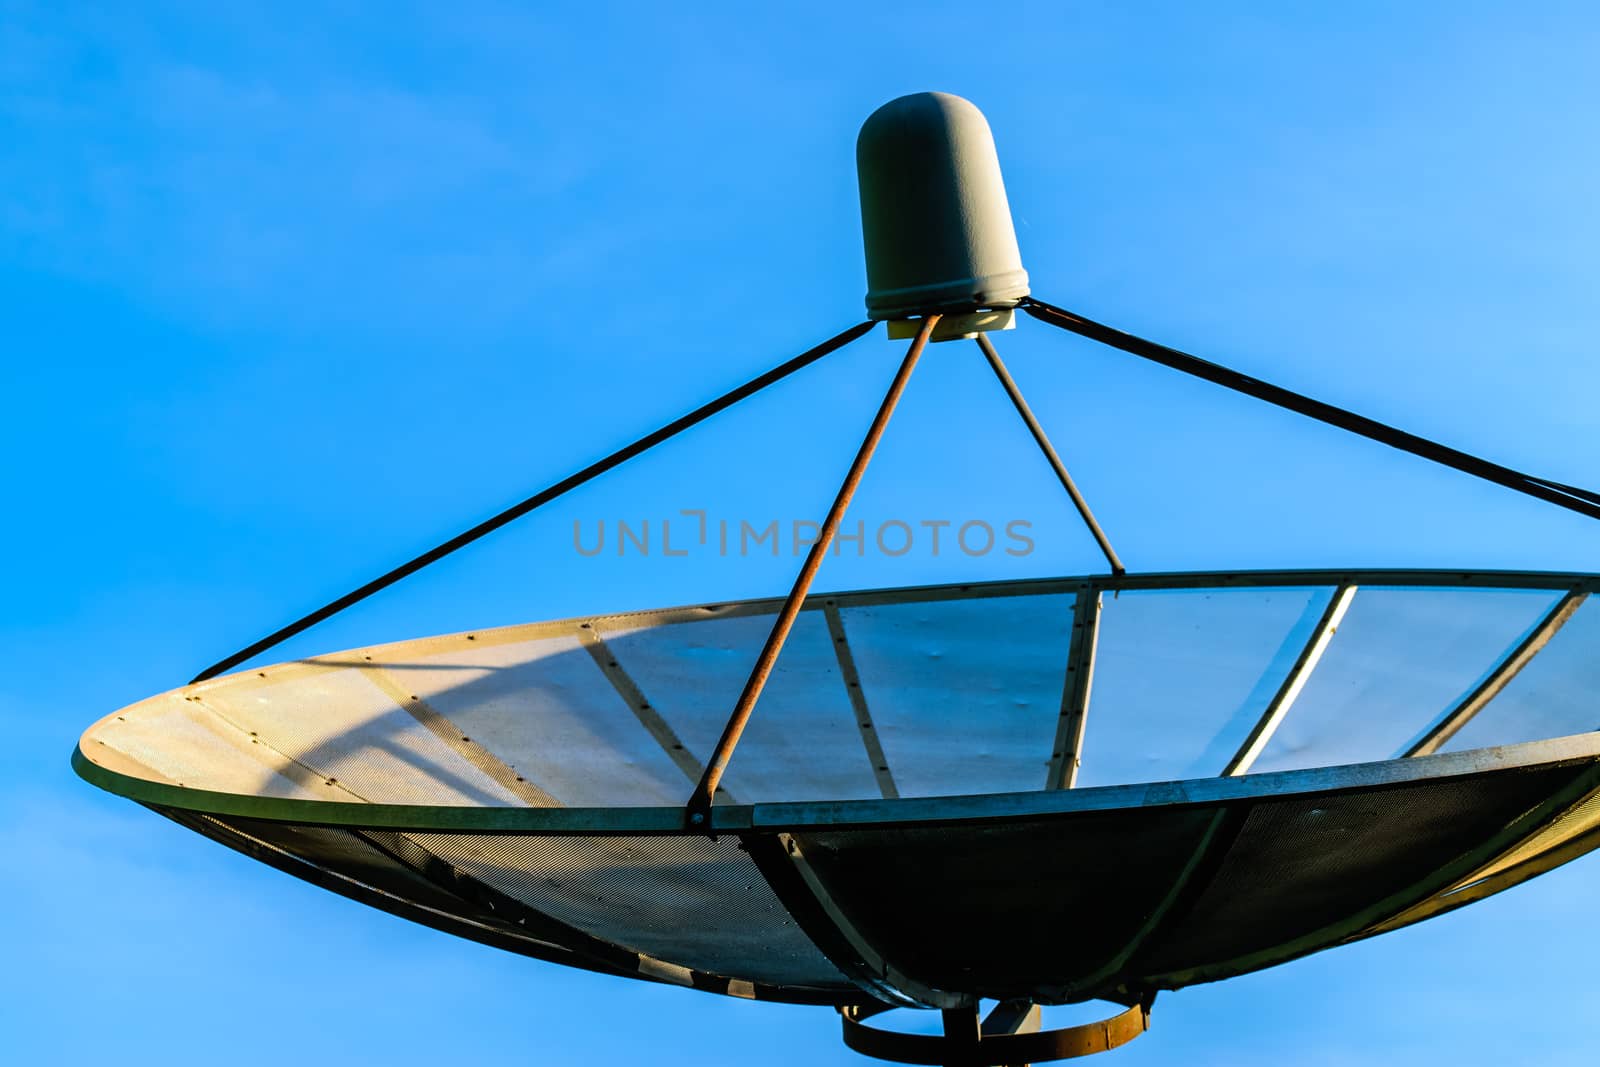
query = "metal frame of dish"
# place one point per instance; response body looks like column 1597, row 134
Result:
column 729, row 818
column 1575, row 587
column 778, row 817
column 767, row 830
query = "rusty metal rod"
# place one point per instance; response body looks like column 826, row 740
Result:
column 698, row 811
column 544, row 496
column 1049, row 451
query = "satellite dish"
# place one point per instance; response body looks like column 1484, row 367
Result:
column 1031, row 792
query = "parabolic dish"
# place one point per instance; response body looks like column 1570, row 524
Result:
column 1267, row 764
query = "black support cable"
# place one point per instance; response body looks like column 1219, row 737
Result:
column 544, row 496
column 1582, row 501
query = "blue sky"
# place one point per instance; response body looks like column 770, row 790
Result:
column 289, row 293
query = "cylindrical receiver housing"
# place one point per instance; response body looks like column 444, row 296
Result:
column 934, row 216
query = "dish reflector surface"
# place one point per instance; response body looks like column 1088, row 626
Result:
column 888, row 808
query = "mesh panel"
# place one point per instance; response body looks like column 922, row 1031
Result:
column 1575, row 827
column 965, row 693
column 346, row 854
column 1300, row 865
column 349, row 863
column 545, row 709
column 341, row 725
column 1580, row 820
column 686, row 900
column 1401, row 657
column 802, row 742
column 177, row 740
column 1556, row 694
column 1181, row 676
column 1019, row 909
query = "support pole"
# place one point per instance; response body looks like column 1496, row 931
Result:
column 698, row 811
column 1049, row 451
